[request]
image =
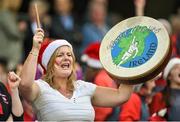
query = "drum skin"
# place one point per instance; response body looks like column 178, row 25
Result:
column 135, row 50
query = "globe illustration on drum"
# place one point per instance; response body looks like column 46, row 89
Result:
column 134, row 47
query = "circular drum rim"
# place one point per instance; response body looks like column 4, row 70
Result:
column 157, row 62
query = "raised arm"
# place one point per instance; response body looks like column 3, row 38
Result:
column 109, row 97
column 139, row 7
column 28, row 88
column 17, row 108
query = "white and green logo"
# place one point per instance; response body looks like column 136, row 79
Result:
column 134, row 47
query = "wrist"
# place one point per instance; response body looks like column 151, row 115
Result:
column 34, row 51
column 14, row 90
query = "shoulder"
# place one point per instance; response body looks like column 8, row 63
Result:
column 43, row 85
column 158, row 95
column 87, row 26
column 135, row 98
column 5, row 15
column 103, row 79
column 134, row 102
column 83, row 84
column 41, row 82
column 85, row 87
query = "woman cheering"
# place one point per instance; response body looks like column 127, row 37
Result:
column 58, row 96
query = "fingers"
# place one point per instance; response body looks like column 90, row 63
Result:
column 39, row 35
column 39, row 30
column 13, row 77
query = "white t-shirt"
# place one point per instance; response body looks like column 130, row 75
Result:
column 52, row 105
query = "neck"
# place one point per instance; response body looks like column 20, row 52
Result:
column 99, row 24
column 60, row 83
column 65, row 14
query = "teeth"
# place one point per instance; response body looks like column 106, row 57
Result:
column 65, row 66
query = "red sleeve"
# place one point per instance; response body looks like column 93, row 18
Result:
column 102, row 79
column 102, row 113
column 131, row 110
column 157, row 103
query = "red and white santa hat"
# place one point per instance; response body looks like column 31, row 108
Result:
column 91, row 55
column 48, row 47
column 169, row 67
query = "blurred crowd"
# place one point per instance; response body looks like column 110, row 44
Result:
column 156, row 99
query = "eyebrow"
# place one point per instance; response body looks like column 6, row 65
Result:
column 64, row 53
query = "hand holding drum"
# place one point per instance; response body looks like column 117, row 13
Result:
column 135, row 50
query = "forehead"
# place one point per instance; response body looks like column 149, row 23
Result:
column 176, row 66
column 64, row 49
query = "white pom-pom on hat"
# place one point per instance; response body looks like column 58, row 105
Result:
column 91, row 55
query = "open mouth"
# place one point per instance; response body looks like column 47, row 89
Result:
column 65, row 66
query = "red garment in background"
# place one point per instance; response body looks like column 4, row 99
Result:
column 157, row 103
column 173, row 43
column 157, row 119
column 28, row 117
column 1, row 109
column 131, row 110
column 175, row 38
column 103, row 79
column 160, row 82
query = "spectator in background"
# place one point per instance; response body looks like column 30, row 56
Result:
column 65, row 25
column 161, row 83
column 95, row 73
column 10, row 32
column 167, row 25
column 96, row 26
column 29, row 114
column 10, row 105
column 3, row 70
column 136, row 108
column 31, row 23
column 175, row 20
column 166, row 104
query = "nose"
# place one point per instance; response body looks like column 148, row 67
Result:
column 66, row 57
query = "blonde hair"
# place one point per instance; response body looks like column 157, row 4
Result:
column 48, row 77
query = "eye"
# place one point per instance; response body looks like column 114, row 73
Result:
column 59, row 55
column 69, row 54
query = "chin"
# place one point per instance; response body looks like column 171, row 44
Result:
column 66, row 74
